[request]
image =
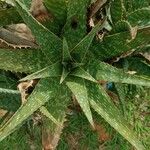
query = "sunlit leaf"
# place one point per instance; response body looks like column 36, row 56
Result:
column 64, row 75
column 46, row 113
column 27, row 3
column 106, row 72
column 79, row 90
column 103, row 105
column 57, row 107
column 9, row 91
column 45, row 90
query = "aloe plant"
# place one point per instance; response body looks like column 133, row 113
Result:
column 71, row 60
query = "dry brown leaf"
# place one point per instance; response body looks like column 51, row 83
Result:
column 49, row 140
column 124, row 55
column 146, row 55
column 133, row 33
column 7, row 117
column 2, row 112
column 96, row 6
column 131, row 72
column 113, row 97
column 72, row 140
column 103, row 83
column 24, row 87
column 22, row 31
column 91, row 22
column 39, row 11
column 16, row 36
column 103, row 135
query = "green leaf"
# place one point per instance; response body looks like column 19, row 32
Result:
column 9, row 91
column 44, row 91
column 103, row 105
column 64, row 75
column 111, row 46
column 26, row 60
column 79, row 90
column 58, row 12
column 58, row 9
column 123, row 26
column 76, row 21
column 115, row 44
column 10, row 100
column 139, row 65
column 117, row 10
column 49, row 22
column 65, row 60
column 81, row 49
column 20, row 138
column 140, row 17
column 138, row 12
column 46, row 113
column 54, row 24
column 27, row 3
column 66, row 52
column 106, row 72
column 50, row 44
column 141, row 39
column 7, row 80
column 133, row 5
column 135, row 11
column 120, row 88
column 9, row 16
column 53, row 70
column 57, row 107
column 80, row 72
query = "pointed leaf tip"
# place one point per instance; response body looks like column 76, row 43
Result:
column 82, row 47
column 65, row 73
column 53, row 70
column 80, row 72
column 79, row 90
column 66, row 52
